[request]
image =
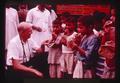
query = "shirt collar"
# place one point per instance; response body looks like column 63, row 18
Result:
column 36, row 8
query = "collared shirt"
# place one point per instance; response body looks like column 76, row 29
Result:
column 42, row 20
column 96, row 32
column 39, row 18
column 16, row 50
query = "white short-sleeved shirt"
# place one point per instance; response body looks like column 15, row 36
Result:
column 66, row 49
column 15, row 50
column 42, row 20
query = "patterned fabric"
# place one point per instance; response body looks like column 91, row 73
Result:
column 107, row 62
column 100, row 68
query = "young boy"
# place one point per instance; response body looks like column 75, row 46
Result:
column 67, row 52
column 87, row 50
column 107, row 50
column 55, row 50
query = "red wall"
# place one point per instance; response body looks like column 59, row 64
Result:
column 82, row 9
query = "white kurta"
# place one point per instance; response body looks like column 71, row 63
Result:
column 12, row 22
column 42, row 20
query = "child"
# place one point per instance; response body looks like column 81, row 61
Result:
column 88, row 46
column 107, row 49
column 67, row 52
column 55, row 51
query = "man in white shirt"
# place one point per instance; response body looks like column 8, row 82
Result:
column 40, row 16
column 20, row 51
column 12, row 21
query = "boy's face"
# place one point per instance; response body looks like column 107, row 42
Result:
column 81, row 28
column 112, row 11
column 107, row 28
column 70, row 26
column 56, row 28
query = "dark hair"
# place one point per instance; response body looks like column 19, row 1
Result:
column 57, row 21
column 98, row 16
column 87, row 20
column 71, row 19
column 65, row 14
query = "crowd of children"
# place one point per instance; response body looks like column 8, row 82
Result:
column 81, row 50
column 76, row 54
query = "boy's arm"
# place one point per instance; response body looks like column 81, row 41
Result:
column 64, row 41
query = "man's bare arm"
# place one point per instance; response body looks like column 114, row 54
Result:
column 18, row 66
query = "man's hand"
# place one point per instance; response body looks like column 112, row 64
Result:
column 37, row 73
column 18, row 66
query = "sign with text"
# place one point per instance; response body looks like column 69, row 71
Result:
column 82, row 9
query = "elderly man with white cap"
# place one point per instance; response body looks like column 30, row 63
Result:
column 20, row 51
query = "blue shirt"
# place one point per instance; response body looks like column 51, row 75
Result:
column 90, row 44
